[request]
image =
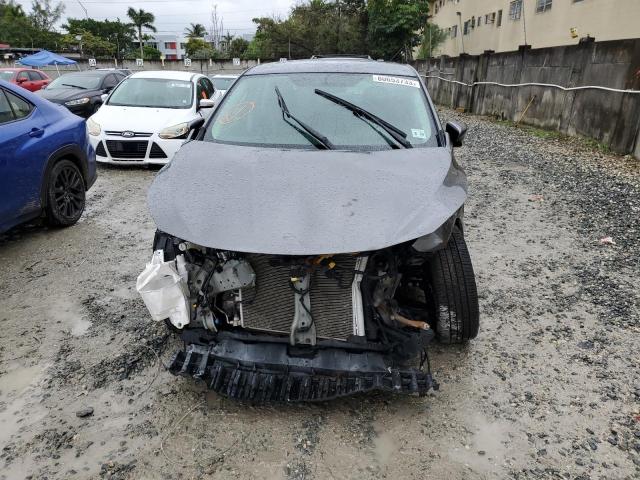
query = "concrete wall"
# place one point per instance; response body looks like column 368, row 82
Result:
column 611, row 118
column 602, row 19
column 202, row 66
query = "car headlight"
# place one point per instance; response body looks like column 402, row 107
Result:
column 78, row 101
column 175, row 131
column 93, row 127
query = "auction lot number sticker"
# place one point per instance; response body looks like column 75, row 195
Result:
column 407, row 82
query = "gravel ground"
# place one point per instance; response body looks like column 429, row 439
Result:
column 550, row 389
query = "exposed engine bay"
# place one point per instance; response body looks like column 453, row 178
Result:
column 365, row 303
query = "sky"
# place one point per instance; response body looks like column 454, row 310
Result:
column 172, row 16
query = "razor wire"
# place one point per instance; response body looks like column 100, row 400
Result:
column 531, row 84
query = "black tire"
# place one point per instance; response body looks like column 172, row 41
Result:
column 65, row 194
column 453, row 293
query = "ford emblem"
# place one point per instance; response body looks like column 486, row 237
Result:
column 128, row 134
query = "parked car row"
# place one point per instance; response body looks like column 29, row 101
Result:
column 48, row 154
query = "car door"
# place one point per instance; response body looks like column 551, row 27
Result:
column 109, row 82
column 24, row 81
column 36, row 79
column 22, row 157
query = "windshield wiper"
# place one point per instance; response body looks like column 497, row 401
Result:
column 76, row 86
column 397, row 134
column 306, row 130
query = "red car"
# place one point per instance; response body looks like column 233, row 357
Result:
column 28, row 78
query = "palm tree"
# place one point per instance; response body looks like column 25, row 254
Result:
column 141, row 19
column 227, row 39
column 196, row 30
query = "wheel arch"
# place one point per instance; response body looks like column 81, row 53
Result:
column 69, row 152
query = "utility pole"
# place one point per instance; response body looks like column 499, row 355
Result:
column 86, row 14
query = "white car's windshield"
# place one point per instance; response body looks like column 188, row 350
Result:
column 80, row 81
column 6, row 75
column 251, row 114
column 153, row 92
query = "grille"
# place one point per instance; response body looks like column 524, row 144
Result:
column 100, row 151
column 135, row 134
column 270, row 305
column 156, row 151
column 133, row 149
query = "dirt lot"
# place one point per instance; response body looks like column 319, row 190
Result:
column 550, row 389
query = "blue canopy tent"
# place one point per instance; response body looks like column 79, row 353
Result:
column 45, row 57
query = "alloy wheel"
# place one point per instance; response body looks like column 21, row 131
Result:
column 68, row 192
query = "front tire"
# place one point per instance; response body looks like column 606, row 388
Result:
column 453, row 292
column 65, row 194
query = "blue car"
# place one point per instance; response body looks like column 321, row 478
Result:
column 46, row 161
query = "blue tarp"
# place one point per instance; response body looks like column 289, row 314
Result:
column 44, row 57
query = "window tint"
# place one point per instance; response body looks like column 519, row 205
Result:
column 34, row 76
column 21, row 108
column 110, row 82
column 22, row 76
column 205, row 88
column 6, row 115
column 208, row 86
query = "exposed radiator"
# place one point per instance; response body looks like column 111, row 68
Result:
column 270, row 305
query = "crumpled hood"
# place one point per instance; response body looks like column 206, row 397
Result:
column 300, row 202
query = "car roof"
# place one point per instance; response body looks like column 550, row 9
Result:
column 168, row 74
column 15, row 69
column 334, row 65
column 223, row 76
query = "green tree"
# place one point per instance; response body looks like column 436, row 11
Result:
column 313, row 27
column 238, row 47
column 92, row 45
column 140, row 20
column 44, row 13
column 195, row 30
column 432, row 38
column 148, row 53
column 17, row 29
column 226, row 42
column 10, row 8
column 199, row 49
column 396, row 27
column 119, row 33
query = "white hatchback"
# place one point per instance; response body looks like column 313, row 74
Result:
column 147, row 117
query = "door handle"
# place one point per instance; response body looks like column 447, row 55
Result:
column 36, row 132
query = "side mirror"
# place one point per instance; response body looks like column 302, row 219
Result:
column 206, row 103
column 21, row 80
column 456, row 131
column 104, row 97
column 194, row 126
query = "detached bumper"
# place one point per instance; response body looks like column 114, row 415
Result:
column 265, row 372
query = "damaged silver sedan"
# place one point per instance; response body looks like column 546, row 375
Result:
column 310, row 237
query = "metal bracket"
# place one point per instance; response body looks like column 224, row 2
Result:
column 303, row 330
